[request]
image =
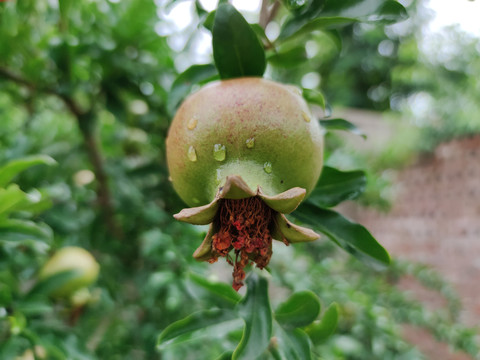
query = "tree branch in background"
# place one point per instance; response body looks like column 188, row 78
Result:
column 268, row 12
column 85, row 119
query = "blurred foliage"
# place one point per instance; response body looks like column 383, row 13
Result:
column 93, row 85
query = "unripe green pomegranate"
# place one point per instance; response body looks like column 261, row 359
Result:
column 244, row 152
column 71, row 258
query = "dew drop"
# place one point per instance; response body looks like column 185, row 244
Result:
column 250, row 143
column 219, row 152
column 267, row 167
column 192, row 154
column 192, row 123
column 305, row 116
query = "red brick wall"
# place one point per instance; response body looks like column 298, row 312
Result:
column 435, row 218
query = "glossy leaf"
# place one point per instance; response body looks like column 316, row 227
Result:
column 289, row 58
column 182, row 86
column 320, row 23
column 372, row 10
column 320, row 330
column 257, row 314
column 292, row 344
column 301, row 15
column 236, row 48
column 341, row 124
column 35, row 202
column 14, row 199
column 300, row 309
column 349, row 235
column 335, row 13
column 314, row 97
column 335, row 186
column 294, row 5
column 219, row 289
column 196, row 321
column 389, row 12
column 10, row 198
column 14, row 167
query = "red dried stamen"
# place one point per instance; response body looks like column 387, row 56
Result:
column 244, row 227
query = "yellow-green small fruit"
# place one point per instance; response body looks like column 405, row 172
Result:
column 67, row 259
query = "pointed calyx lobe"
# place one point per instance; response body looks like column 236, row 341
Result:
column 243, row 224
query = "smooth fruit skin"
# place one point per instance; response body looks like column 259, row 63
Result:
column 266, row 129
column 71, row 258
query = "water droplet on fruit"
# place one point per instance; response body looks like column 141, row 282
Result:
column 170, row 179
column 250, row 143
column 192, row 123
column 305, row 116
column 267, row 167
column 192, row 154
column 219, row 152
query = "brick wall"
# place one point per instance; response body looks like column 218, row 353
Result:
column 435, row 218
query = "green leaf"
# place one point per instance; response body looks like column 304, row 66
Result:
column 257, row 314
column 341, row 124
column 209, row 20
column 14, row 167
column 289, row 58
column 10, row 198
column 182, row 86
column 351, row 236
column 292, row 344
column 335, row 186
column 14, row 199
column 320, row 330
column 35, row 202
column 34, row 307
column 52, row 283
column 21, row 230
column 301, row 15
column 314, row 97
column 300, row 309
column 199, row 8
column 221, row 290
column 227, row 355
column 236, row 48
column 294, row 5
column 336, row 13
column 196, row 321
column 260, row 32
column 389, row 12
column 366, row 10
column 320, row 23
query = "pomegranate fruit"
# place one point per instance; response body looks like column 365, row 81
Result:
column 242, row 153
column 71, row 258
